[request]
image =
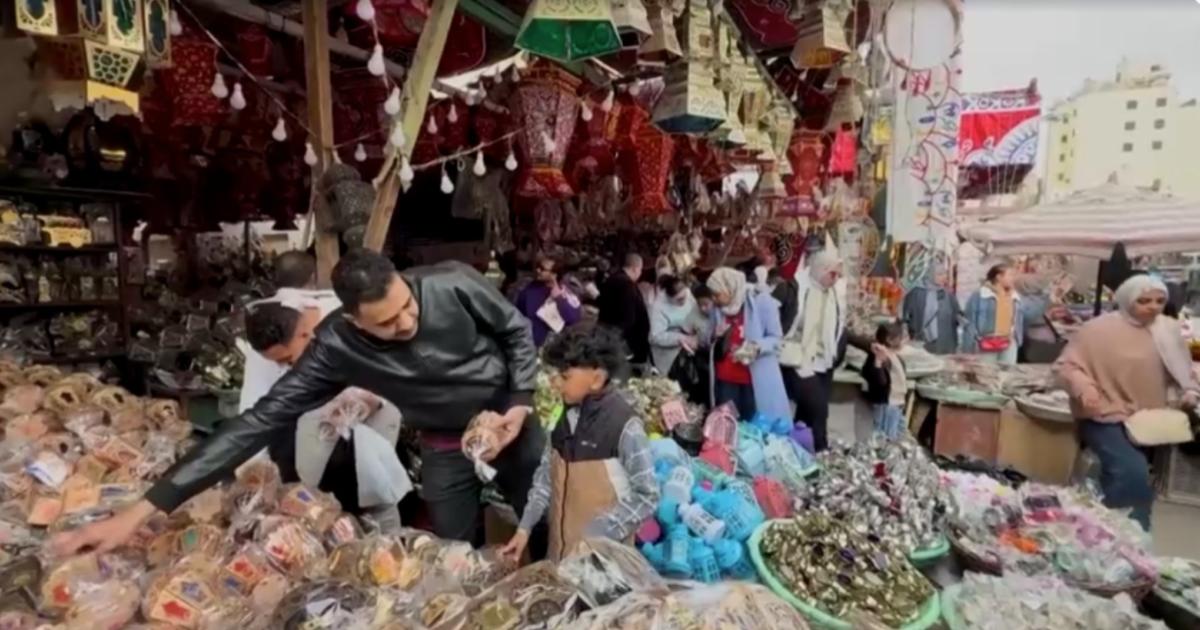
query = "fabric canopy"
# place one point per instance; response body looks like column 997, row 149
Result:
column 1090, row 222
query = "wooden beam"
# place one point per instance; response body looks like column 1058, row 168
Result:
column 416, row 98
column 320, row 122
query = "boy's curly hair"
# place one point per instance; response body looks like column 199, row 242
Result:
column 586, row 346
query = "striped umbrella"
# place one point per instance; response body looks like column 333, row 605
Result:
column 1090, row 222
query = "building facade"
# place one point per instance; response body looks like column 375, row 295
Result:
column 1135, row 126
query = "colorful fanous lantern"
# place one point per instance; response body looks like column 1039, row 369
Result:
column 647, row 168
column 569, row 30
column 544, row 107
column 691, row 102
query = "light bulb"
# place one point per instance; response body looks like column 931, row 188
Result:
column 375, row 63
column 480, row 169
column 547, row 142
column 607, row 105
column 397, row 138
column 174, row 26
column 447, row 185
column 237, row 100
column 219, row 89
column 585, row 112
column 471, row 98
column 392, row 104
column 452, row 115
column 482, row 91
column 360, row 153
column 280, row 131
column 432, row 127
column 310, row 156
column 635, row 88
column 365, row 10
column 511, row 162
column 406, row 172
column 516, row 73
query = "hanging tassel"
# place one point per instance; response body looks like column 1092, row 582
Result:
column 392, row 104
column 219, row 89
column 607, row 105
column 447, row 185
column 365, row 10
column 406, row 174
column 585, row 111
column 510, row 162
column 432, row 127
column 452, row 115
column 280, row 132
column 360, row 153
column 375, row 63
column 480, row 169
column 237, row 100
column 397, row 138
column 310, row 155
column 174, row 26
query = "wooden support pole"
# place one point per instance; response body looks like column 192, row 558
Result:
column 320, row 122
column 416, row 98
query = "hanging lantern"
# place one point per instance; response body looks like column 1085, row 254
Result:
column 647, row 168
column 491, row 123
column 632, row 21
column 591, row 153
column 843, row 153
column 770, row 186
column 544, row 105
column 822, row 35
column 804, row 152
column 662, row 47
column 733, row 70
column 160, row 23
column 782, row 124
column 691, row 102
column 568, row 31
column 254, row 47
column 116, row 24
column 847, row 107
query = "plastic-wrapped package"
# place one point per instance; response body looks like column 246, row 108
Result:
column 604, row 570
column 480, row 442
column 318, row 509
column 63, row 582
column 184, row 594
column 108, row 605
column 292, row 547
column 741, row 605
column 474, row 569
column 325, row 605
column 159, row 451
column 30, row 427
column 533, row 597
column 721, row 426
column 372, row 561
column 21, row 399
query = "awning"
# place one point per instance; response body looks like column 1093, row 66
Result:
column 1090, row 222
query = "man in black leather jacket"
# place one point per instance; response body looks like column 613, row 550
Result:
column 439, row 342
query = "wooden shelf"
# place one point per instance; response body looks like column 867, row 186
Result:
column 64, row 250
column 68, row 192
column 41, row 306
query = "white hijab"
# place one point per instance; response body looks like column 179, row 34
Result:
column 1167, row 340
column 732, row 283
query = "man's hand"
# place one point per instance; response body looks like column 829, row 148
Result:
column 556, row 290
column 515, row 547
column 507, row 426
column 103, row 535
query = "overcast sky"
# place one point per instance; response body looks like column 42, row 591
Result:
column 1063, row 42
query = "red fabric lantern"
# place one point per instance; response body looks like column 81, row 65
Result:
column 358, row 107
column 189, row 80
column 591, row 154
column 647, row 168
column 398, row 22
column 843, row 155
column 254, row 48
column 491, row 122
column 448, row 137
column 804, row 153
column 469, row 49
column 544, row 107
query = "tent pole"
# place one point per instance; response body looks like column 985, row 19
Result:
column 1099, row 288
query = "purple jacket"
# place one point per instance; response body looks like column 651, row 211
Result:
column 533, row 296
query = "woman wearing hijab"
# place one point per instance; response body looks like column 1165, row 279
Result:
column 1039, row 344
column 745, row 356
column 931, row 313
column 1116, row 365
column 816, row 341
column 677, row 328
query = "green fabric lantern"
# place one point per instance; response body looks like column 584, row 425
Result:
column 569, row 30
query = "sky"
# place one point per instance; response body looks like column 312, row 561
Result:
column 1063, row 42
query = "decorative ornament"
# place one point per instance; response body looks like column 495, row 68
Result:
column 406, row 173
column 635, row 88
column 515, row 74
column 174, row 26
column 585, row 111
column 310, row 155
column 480, row 169
column 662, row 47
column 510, row 162
column 822, row 35
column 375, row 63
column 365, row 10
column 447, row 185
column 568, row 31
column 360, row 153
column 607, row 105
column 691, row 103
column 237, row 100
column 392, row 104
column 280, row 131
column 633, row 23
column 397, row 138
column 452, row 115
column 219, row 89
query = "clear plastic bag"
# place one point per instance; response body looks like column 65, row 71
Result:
column 480, row 442
column 604, row 570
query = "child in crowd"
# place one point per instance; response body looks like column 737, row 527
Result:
column 596, row 477
column 887, row 384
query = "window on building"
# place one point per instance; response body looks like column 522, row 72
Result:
column 1157, row 184
column 1064, row 138
column 1130, row 125
column 1127, row 147
column 1130, row 104
column 1062, row 178
column 1160, row 123
column 1155, row 68
column 1161, row 101
column 1062, row 157
column 1156, row 145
